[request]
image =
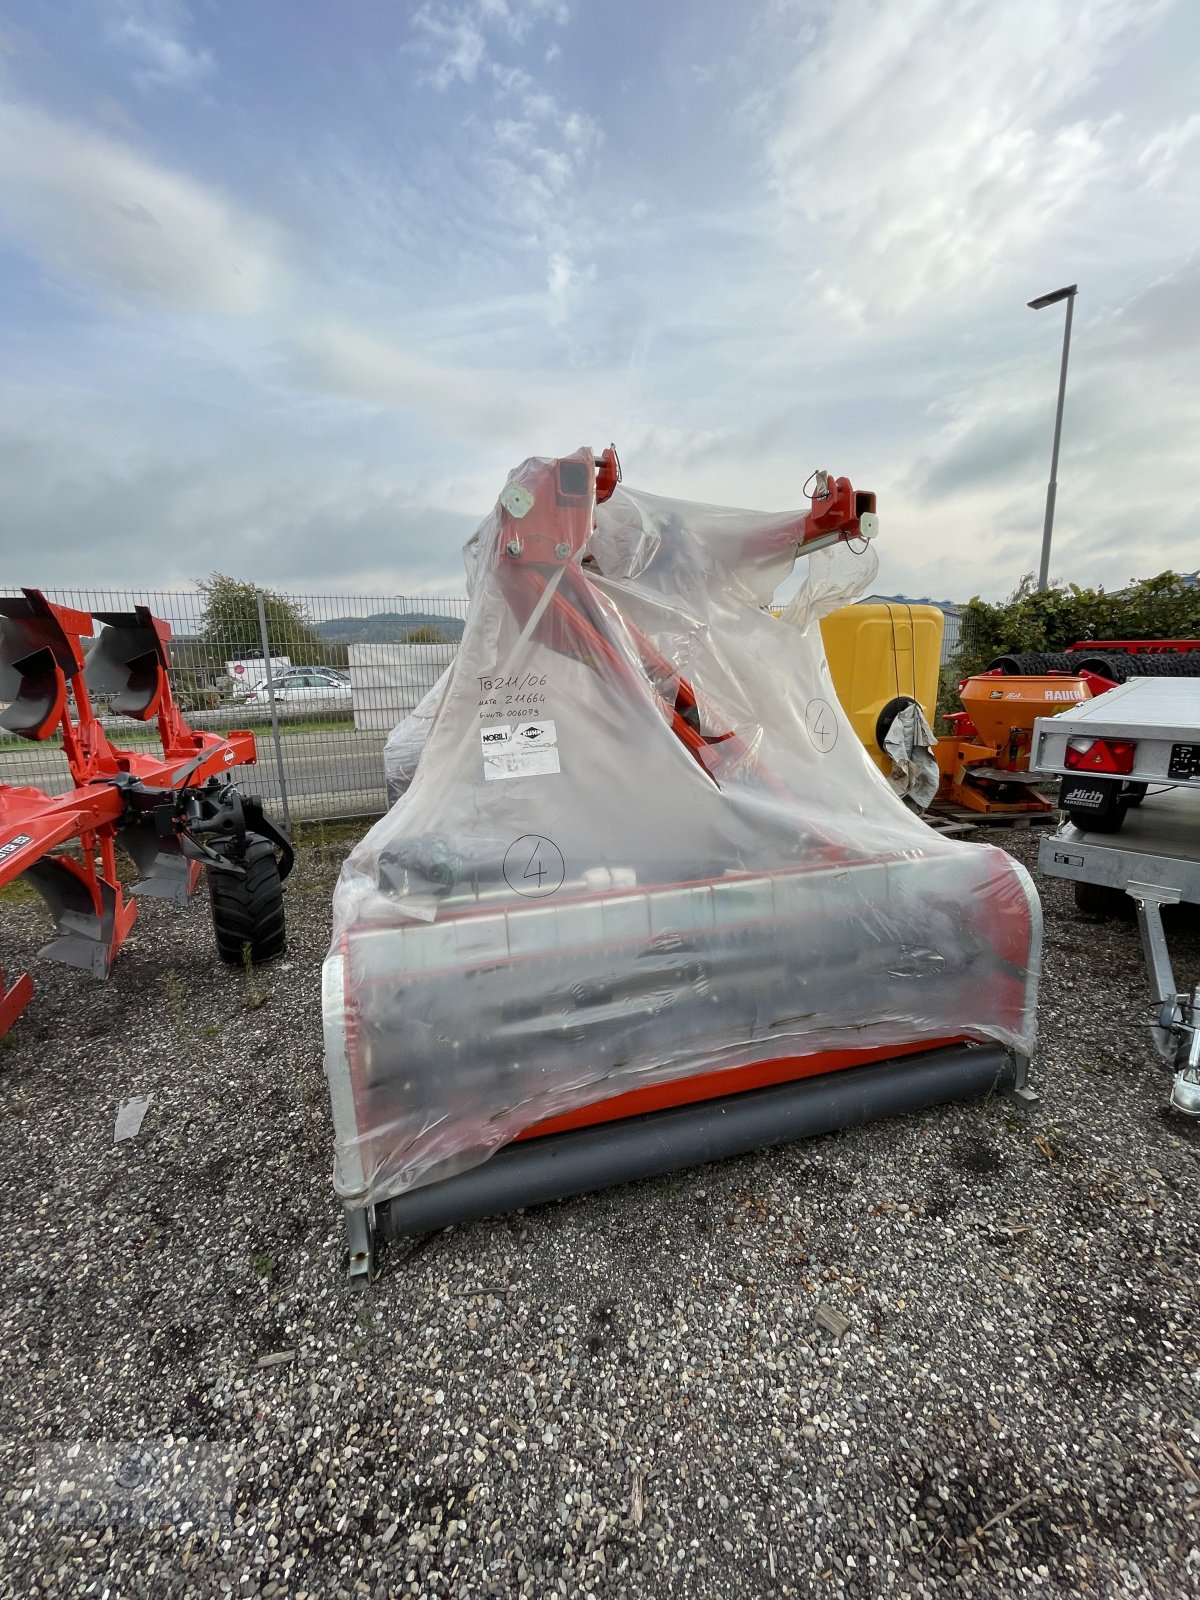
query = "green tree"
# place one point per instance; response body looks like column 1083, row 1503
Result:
column 424, row 635
column 1163, row 607
column 230, row 621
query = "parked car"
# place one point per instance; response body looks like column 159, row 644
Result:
column 306, row 686
column 333, row 672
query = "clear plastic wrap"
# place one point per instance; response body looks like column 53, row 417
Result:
column 407, row 739
column 642, row 843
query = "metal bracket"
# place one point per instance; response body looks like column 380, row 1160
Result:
column 360, row 1236
column 1025, row 1097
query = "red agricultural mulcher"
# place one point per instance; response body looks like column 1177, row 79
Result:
column 647, row 901
column 177, row 813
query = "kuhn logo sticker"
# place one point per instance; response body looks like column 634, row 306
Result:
column 17, row 842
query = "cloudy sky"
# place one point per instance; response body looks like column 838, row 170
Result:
column 287, row 286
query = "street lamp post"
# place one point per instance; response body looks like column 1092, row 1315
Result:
column 1043, row 300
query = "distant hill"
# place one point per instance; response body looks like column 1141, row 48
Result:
column 387, row 627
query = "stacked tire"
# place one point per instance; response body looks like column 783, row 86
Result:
column 1119, row 665
column 1031, row 663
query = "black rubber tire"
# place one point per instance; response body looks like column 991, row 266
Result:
column 1134, row 793
column 1087, row 823
column 1031, row 663
column 1163, row 664
column 1112, row 664
column 247, row 912
column 1101, row 900
column 888, row 715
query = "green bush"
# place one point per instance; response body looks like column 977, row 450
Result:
column 1164, row 607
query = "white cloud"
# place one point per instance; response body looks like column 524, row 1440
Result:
column 561, row 282
column 918, row 151
column 91, row 208
column 101, row 498
column 360, row 364
column 536, row 170
column 455, row 38
column 1166, row 150
column 454, row 41
column 153, row 34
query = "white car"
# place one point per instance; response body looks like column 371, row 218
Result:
column 306, row 686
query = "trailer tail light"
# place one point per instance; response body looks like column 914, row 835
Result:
column 1101, row 755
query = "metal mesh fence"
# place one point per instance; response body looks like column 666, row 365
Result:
column 342, row 671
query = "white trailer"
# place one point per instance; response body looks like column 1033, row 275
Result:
column 1130, row 765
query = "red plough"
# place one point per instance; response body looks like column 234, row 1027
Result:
column 176, row 813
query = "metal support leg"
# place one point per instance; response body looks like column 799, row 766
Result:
column 360, row 1235
column 1020, row 1091
column 1150, row 899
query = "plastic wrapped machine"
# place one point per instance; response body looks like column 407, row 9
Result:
column 647, row 901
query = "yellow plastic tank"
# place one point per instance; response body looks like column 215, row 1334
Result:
column 879, row 652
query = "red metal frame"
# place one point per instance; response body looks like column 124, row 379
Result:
column 34, row 824
column 548, row 590
column 726, row 1081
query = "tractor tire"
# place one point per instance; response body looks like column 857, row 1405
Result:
column 247, row 913
column 1031, row 663
column 1112, row 664
column 1100, row 900
column 1163, row 664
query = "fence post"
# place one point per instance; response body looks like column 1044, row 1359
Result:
column 266, row 649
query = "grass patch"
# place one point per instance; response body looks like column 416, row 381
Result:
column 17, row 894
column 137, row 739
column 321, row 834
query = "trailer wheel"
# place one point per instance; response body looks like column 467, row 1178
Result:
column 888, row 715
column 247, row 912
column 1101, row 900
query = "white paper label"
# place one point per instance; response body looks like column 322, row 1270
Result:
column 519, row 749
column 520, row 763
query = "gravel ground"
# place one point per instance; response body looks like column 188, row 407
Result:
column 624, row 1395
